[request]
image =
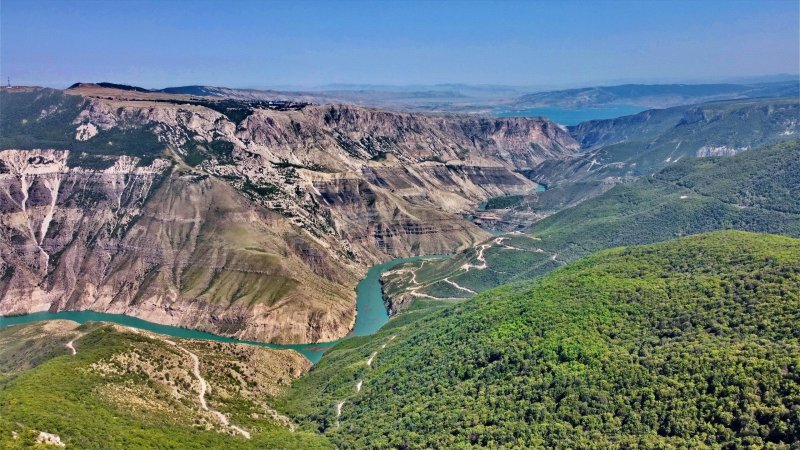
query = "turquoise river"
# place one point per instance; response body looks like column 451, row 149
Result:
column 369, row 304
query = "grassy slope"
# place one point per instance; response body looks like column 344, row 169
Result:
column 688, row 343
column 88, row 407
column 650, row 138
column 644, row 143
column 752, row 191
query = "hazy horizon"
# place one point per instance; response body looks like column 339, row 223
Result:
column 755, row 79
column 515, row 44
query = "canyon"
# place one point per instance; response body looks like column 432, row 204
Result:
column 249, row 220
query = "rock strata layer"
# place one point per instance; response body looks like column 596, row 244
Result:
column 256, row 225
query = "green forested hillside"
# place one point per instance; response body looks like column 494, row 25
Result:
column 754, row 191
column 639, row 145
column 124, row 389
column 757, row 190
column 651, row 140
column 691, row 343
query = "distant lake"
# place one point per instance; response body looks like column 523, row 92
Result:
column 565, row 116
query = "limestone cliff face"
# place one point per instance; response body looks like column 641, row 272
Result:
column 256, row 226
column 395, row 184
column 372, row 184
column 170, row 246
column 359, row 134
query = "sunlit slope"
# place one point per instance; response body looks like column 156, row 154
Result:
column 618, row 150
column 690, row 343
column 126, row 389
column 246, row 218
column 651, row 140
column 753, row 191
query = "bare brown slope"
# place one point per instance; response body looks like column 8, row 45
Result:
column 194, row 254
column 267, row 234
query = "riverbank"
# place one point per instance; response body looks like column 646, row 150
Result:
column 371, row 315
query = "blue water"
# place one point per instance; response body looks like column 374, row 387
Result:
column 566, row 116
column 369, row 303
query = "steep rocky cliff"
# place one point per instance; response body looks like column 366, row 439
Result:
column 254, row 221
column 164, row 244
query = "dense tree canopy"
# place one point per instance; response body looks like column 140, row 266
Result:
column 688, row 343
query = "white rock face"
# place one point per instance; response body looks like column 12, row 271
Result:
column 86, row 132
column 49, row 439
column 710, row 150
column 35, row 162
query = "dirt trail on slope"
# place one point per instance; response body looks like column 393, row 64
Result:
column 203, row 388
column 339, row 411
column 70, row 345
column 371, row 357
column 480, row 257
column 458, row 286
column 278, row 417
column 359, row 383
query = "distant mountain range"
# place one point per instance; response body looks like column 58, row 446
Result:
column 655, row 95
column 497, row 99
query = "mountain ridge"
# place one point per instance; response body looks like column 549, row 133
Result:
column 497, row 100
column 656, row 95
column 130, row 207
column 629, row 347
column 750, row 191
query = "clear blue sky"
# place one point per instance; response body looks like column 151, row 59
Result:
column 308, row 43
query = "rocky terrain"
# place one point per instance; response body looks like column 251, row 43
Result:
column 109, row 386
column 252, row 220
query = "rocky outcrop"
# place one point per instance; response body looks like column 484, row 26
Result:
column 722, row 150
column 173, row 247
column 406, row 168
column 253, row 225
